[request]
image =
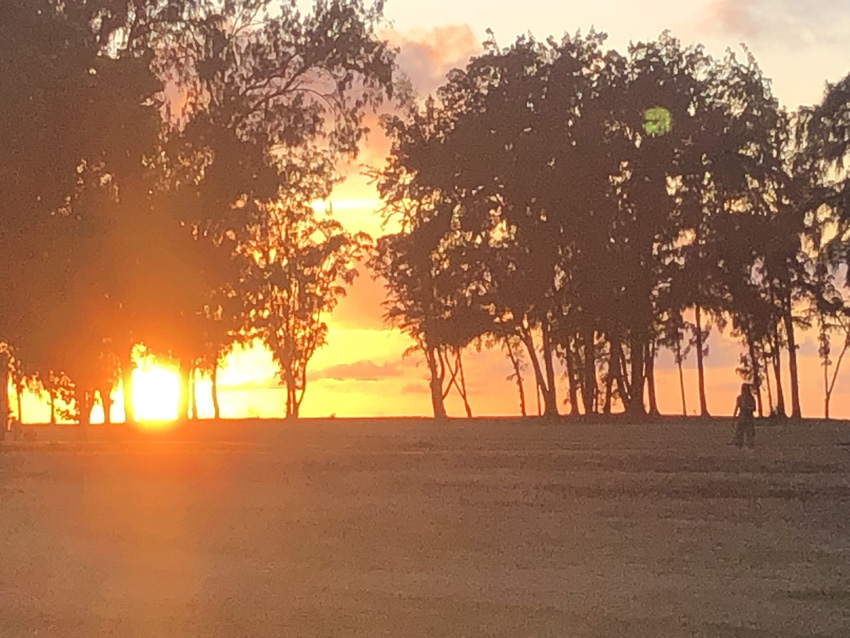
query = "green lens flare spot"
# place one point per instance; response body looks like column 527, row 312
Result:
column 657, row 121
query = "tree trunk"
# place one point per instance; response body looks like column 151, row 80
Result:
column 829, row 387
column 84, row 416
column 295, row 411
column 538, row 375
column 462, row 387
column 436, row 385
column 769, row 386
column 4, row 394
column 290, row 402
column 777, row 374
column 681, row 374
column 826, row 405
column 650, row 378
column 572, row 386
column 796, row 412
column 537, row 392
column 19, row 391
column 589, row 389
column 623, row 386
column 127, row 388
column 185, row 372
column 289, row 383
column 106, row 404
column 756, row 374
column 703, row 403
column 550, row 395
column 518, row 375
column 457, row 379
column 636, row 406
column 609, row 391
column 193, row 391
column 609, row 381
column 52, row 396
column 216, row 413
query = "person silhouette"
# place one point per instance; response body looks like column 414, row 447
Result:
column 745, row 427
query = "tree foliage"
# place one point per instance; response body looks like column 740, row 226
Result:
column 558, row 183
column 146, row 144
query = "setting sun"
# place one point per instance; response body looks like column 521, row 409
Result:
column 156, row 393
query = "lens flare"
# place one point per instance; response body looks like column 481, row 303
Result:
column 657, row 121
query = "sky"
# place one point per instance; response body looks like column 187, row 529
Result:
column 800, row 46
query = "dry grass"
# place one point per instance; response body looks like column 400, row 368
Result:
column 410, row 529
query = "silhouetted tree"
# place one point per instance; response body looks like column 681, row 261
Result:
column 596, row 182
column 406, row 263
column 824, row 149
column 274, row 99
column 303, row 264
column 94, row 119
column 159, row 134
column 832, row 312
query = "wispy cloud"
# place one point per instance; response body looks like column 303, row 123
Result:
column 363, row 370
column 425, row 58
column 790, row 21
column 415, row 388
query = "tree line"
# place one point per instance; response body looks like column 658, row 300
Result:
column 577, row 207
column 160, row 160
column 582, row 208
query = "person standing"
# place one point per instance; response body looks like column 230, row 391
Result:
column 745, row 426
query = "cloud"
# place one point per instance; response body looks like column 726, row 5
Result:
column 791, row 21
column 731, row 15
column 415, row 388
column 363, row 370
column 427, row 56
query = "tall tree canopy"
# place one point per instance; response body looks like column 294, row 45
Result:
column 569, row 182
column 146, row 142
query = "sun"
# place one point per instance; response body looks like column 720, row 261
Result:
column 156, row 393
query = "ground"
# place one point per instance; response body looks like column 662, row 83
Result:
column 412, row 529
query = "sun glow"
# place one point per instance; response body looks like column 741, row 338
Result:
column 156, row 393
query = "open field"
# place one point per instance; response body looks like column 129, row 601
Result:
column 409, row 529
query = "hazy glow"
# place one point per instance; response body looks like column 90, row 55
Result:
column 322, row 206
column 156, row 393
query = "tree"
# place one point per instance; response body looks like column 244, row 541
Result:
column 472, row 163
column 594, row 181
column 406, row 263
column 673, row 338
column 275, row 99
column 823, row 142
column 833, row 314
column 69, row 166
column 303, row 264
column 5, row 361
column 513, row 351
column 161, row 200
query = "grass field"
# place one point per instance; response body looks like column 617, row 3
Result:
column 409, row 529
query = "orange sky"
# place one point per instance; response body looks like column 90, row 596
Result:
column 800, row 45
